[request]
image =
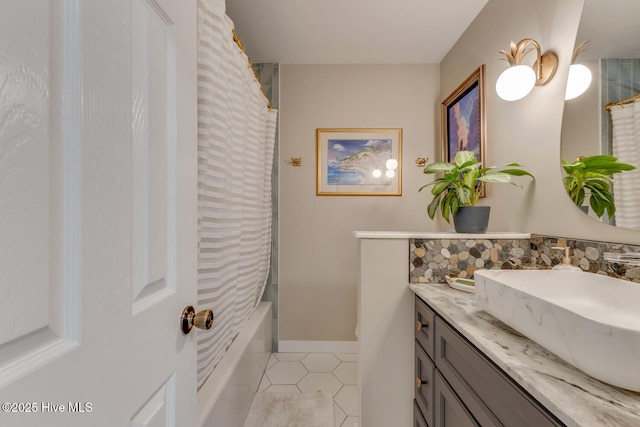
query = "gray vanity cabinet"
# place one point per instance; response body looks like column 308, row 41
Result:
column 424, row 366
column 450, row 411
column 418, row 419
column 464, row 387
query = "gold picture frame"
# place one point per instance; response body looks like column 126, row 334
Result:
column 463, row 120
column 359, row 162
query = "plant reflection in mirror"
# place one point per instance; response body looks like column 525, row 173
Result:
column 592, row 177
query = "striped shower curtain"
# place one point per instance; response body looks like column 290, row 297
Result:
column 626, row 147
column 236, row 133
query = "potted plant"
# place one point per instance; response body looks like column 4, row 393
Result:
column 460, row 187
column 591, row 176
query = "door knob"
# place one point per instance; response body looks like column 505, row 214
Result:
column 201, row 320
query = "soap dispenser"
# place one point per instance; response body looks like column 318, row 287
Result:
column 567, row 262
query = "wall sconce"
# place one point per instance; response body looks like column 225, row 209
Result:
column 518, row 80
column 421, row 162
column 579, row 76
column 295, row 161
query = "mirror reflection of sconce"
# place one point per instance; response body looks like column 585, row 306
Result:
column 295, row 161
column 391, row 165
column 579, row 76
column 421, row 162
column 518, row 80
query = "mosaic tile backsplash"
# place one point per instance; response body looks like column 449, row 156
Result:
column 586, row 254
column 430, row 260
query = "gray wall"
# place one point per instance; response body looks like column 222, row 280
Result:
column 318, row 254
column 528, row 131
column 525, row 131
column 581, row 120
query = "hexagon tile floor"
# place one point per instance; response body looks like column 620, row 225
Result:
column 335, row 374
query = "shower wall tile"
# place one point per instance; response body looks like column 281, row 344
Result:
column 620, row 79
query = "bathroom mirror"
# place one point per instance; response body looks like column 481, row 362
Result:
column 613, row 56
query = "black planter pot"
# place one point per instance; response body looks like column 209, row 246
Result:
column 472, row 219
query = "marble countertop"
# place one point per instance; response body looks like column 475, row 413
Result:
column 438, row 235
column 574, row 397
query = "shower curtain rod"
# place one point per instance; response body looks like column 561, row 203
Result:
column 608, row 107
column 255, row 74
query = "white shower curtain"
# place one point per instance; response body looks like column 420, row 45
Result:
column 236, row 133
column 626, row 147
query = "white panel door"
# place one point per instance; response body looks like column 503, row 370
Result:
column 98, row 212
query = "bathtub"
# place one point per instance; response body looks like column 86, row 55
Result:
column 225, row 397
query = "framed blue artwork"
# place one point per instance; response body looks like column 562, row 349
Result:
column 359, row 162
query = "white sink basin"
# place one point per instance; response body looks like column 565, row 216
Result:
column 589, row 320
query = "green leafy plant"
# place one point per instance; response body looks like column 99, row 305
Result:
column 461, row 183
column 592, row 176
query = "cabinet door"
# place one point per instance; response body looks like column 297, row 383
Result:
column 449, row 410
column 489, row 394
column 418, row 419
column 425, row 370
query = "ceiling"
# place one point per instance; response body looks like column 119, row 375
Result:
column 350, row 31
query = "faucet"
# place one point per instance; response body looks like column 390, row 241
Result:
column 631, row 258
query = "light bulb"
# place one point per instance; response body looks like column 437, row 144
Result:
column 377, row 173
column 390, row 173
column 578, row 81
column 392, row 164
column 515, row 82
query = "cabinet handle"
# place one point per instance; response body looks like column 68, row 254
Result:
column 420, row 325
column 419, row 382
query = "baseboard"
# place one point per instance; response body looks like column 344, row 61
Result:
column 318, row 347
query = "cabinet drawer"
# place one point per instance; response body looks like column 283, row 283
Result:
column 424, row 385
column 450, row 412
column 471, row 375
column 424, row 324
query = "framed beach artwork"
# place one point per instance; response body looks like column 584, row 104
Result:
column 359, row 162
column 463, row 119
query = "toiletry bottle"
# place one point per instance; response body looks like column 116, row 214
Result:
column 567, row 262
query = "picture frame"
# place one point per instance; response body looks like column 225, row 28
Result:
column 359, row 162
column 463, row 120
